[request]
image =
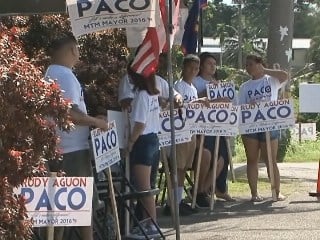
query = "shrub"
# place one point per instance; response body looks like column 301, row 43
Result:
column 29, row 109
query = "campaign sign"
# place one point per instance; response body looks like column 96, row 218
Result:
column 221, row 90
column 182, row 130
column 306, row 131
column 89, row 16
column 233, row 129
column 211, row 121
column 105, row 146
column 58, row 201
column 266, row 116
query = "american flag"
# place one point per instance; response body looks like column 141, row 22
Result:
column 147, row 57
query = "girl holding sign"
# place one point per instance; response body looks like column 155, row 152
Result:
column 144, row 144
column 263, row 86
column 207, row 75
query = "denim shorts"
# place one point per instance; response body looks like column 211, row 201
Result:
column 145, row 150
column 261, row 137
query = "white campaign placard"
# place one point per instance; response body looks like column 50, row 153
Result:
column 233, row 129
column 89, row 16
column 182, row 129
column 308, row 131
column 266, row 116
column 58, row 201
column 122, row 126
column 221, row 90
column 105, row 146
column 309, row 98
column 212, row 121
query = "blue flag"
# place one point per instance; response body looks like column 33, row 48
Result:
column 191, row 27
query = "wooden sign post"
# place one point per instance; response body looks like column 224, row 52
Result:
column 214, row 175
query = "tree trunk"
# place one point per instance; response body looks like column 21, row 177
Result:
column 280, row 33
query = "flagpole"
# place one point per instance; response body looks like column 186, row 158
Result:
column 171, row 99
column 200, row 41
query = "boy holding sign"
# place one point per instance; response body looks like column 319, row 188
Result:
column 264, row 86
column 76, row 159
column 186, row 151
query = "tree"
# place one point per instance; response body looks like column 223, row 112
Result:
column 103, row 58
column 30, row 109
column 214, row 15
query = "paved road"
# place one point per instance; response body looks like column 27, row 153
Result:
column 296, row 218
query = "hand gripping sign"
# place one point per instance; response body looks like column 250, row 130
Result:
column 221, row 90
column 266, row 116
column 105, row 147
column 89, row 16
column 181, row 124
column 58, row 201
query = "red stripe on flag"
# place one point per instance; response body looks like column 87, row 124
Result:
column 147, row 58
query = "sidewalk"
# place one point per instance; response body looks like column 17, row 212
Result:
column 296, row 218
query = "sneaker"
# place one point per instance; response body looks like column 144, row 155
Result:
column 136, row 233
column 202, row 200
column 166, row 210
column 152, row 231
column 185, row 209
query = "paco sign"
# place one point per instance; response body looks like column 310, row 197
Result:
column 181, row 124
column 58, row 201
column 105, row 147
column 266, row 116
column 89, row 16
column 304, row 131
column 221, row 90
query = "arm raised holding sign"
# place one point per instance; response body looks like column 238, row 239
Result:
column 263, row 86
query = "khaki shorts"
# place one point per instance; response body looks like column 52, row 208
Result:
column 185, row 153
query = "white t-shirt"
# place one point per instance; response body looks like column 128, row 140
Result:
column 126, row 88
column 188, row 91
column 200, row 84
column 146, row 109
column 77, row 138
column 262, row 89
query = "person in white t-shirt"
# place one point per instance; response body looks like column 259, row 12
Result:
column 76, row 160
column 185, row 151
column 207, row 75
column 264, row 86
column 144, row 144
column 126, row 93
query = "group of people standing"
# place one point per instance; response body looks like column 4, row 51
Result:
column 197, row 72
column 144, row 97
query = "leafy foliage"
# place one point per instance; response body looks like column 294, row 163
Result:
column 30, row 110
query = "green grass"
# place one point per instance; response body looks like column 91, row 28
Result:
column 307, row 151
column 240, row 188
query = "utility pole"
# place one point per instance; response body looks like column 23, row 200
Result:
column 240, row 64
column 239, row 31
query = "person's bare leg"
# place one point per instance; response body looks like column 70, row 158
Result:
column 274, row 151
column 252, row 146
column 141, row 175
column 86, row 232
column 58, row 233
column 208, row 181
